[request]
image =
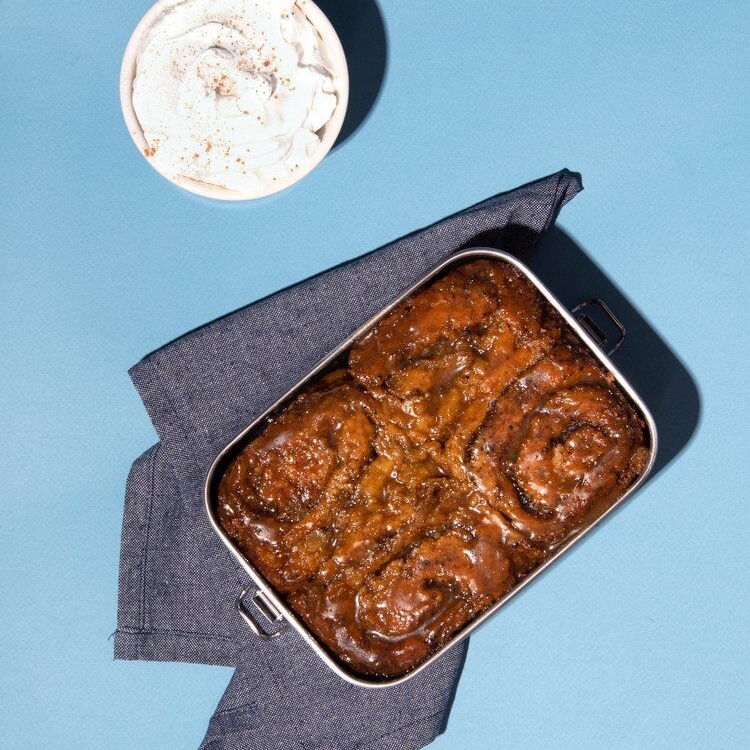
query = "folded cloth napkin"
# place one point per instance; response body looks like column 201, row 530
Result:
column 178, row 583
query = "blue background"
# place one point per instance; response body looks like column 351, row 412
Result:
column 639, row 639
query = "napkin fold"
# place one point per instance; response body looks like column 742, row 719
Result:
column 178, row 583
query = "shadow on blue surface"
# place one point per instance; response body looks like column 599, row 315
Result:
column 359, row 24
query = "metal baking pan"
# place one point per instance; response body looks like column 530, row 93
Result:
column 276, row 615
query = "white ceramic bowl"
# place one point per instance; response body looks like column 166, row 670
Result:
column 327, row 134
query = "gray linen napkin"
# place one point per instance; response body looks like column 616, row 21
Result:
column 178, row 583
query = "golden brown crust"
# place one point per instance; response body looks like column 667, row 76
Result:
column 468, row 436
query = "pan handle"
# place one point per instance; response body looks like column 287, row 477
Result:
column 582, row 313
column 262, row 603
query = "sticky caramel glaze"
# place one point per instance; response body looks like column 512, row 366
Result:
column 468, row 437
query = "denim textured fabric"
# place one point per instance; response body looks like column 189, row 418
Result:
column 178, row 583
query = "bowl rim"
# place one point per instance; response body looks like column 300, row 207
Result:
column 334, row 52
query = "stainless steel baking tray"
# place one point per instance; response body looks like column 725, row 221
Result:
column 276, row 614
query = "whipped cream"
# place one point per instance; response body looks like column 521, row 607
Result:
column 232, row 93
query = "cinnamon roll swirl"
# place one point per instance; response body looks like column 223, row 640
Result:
column 561, row 444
